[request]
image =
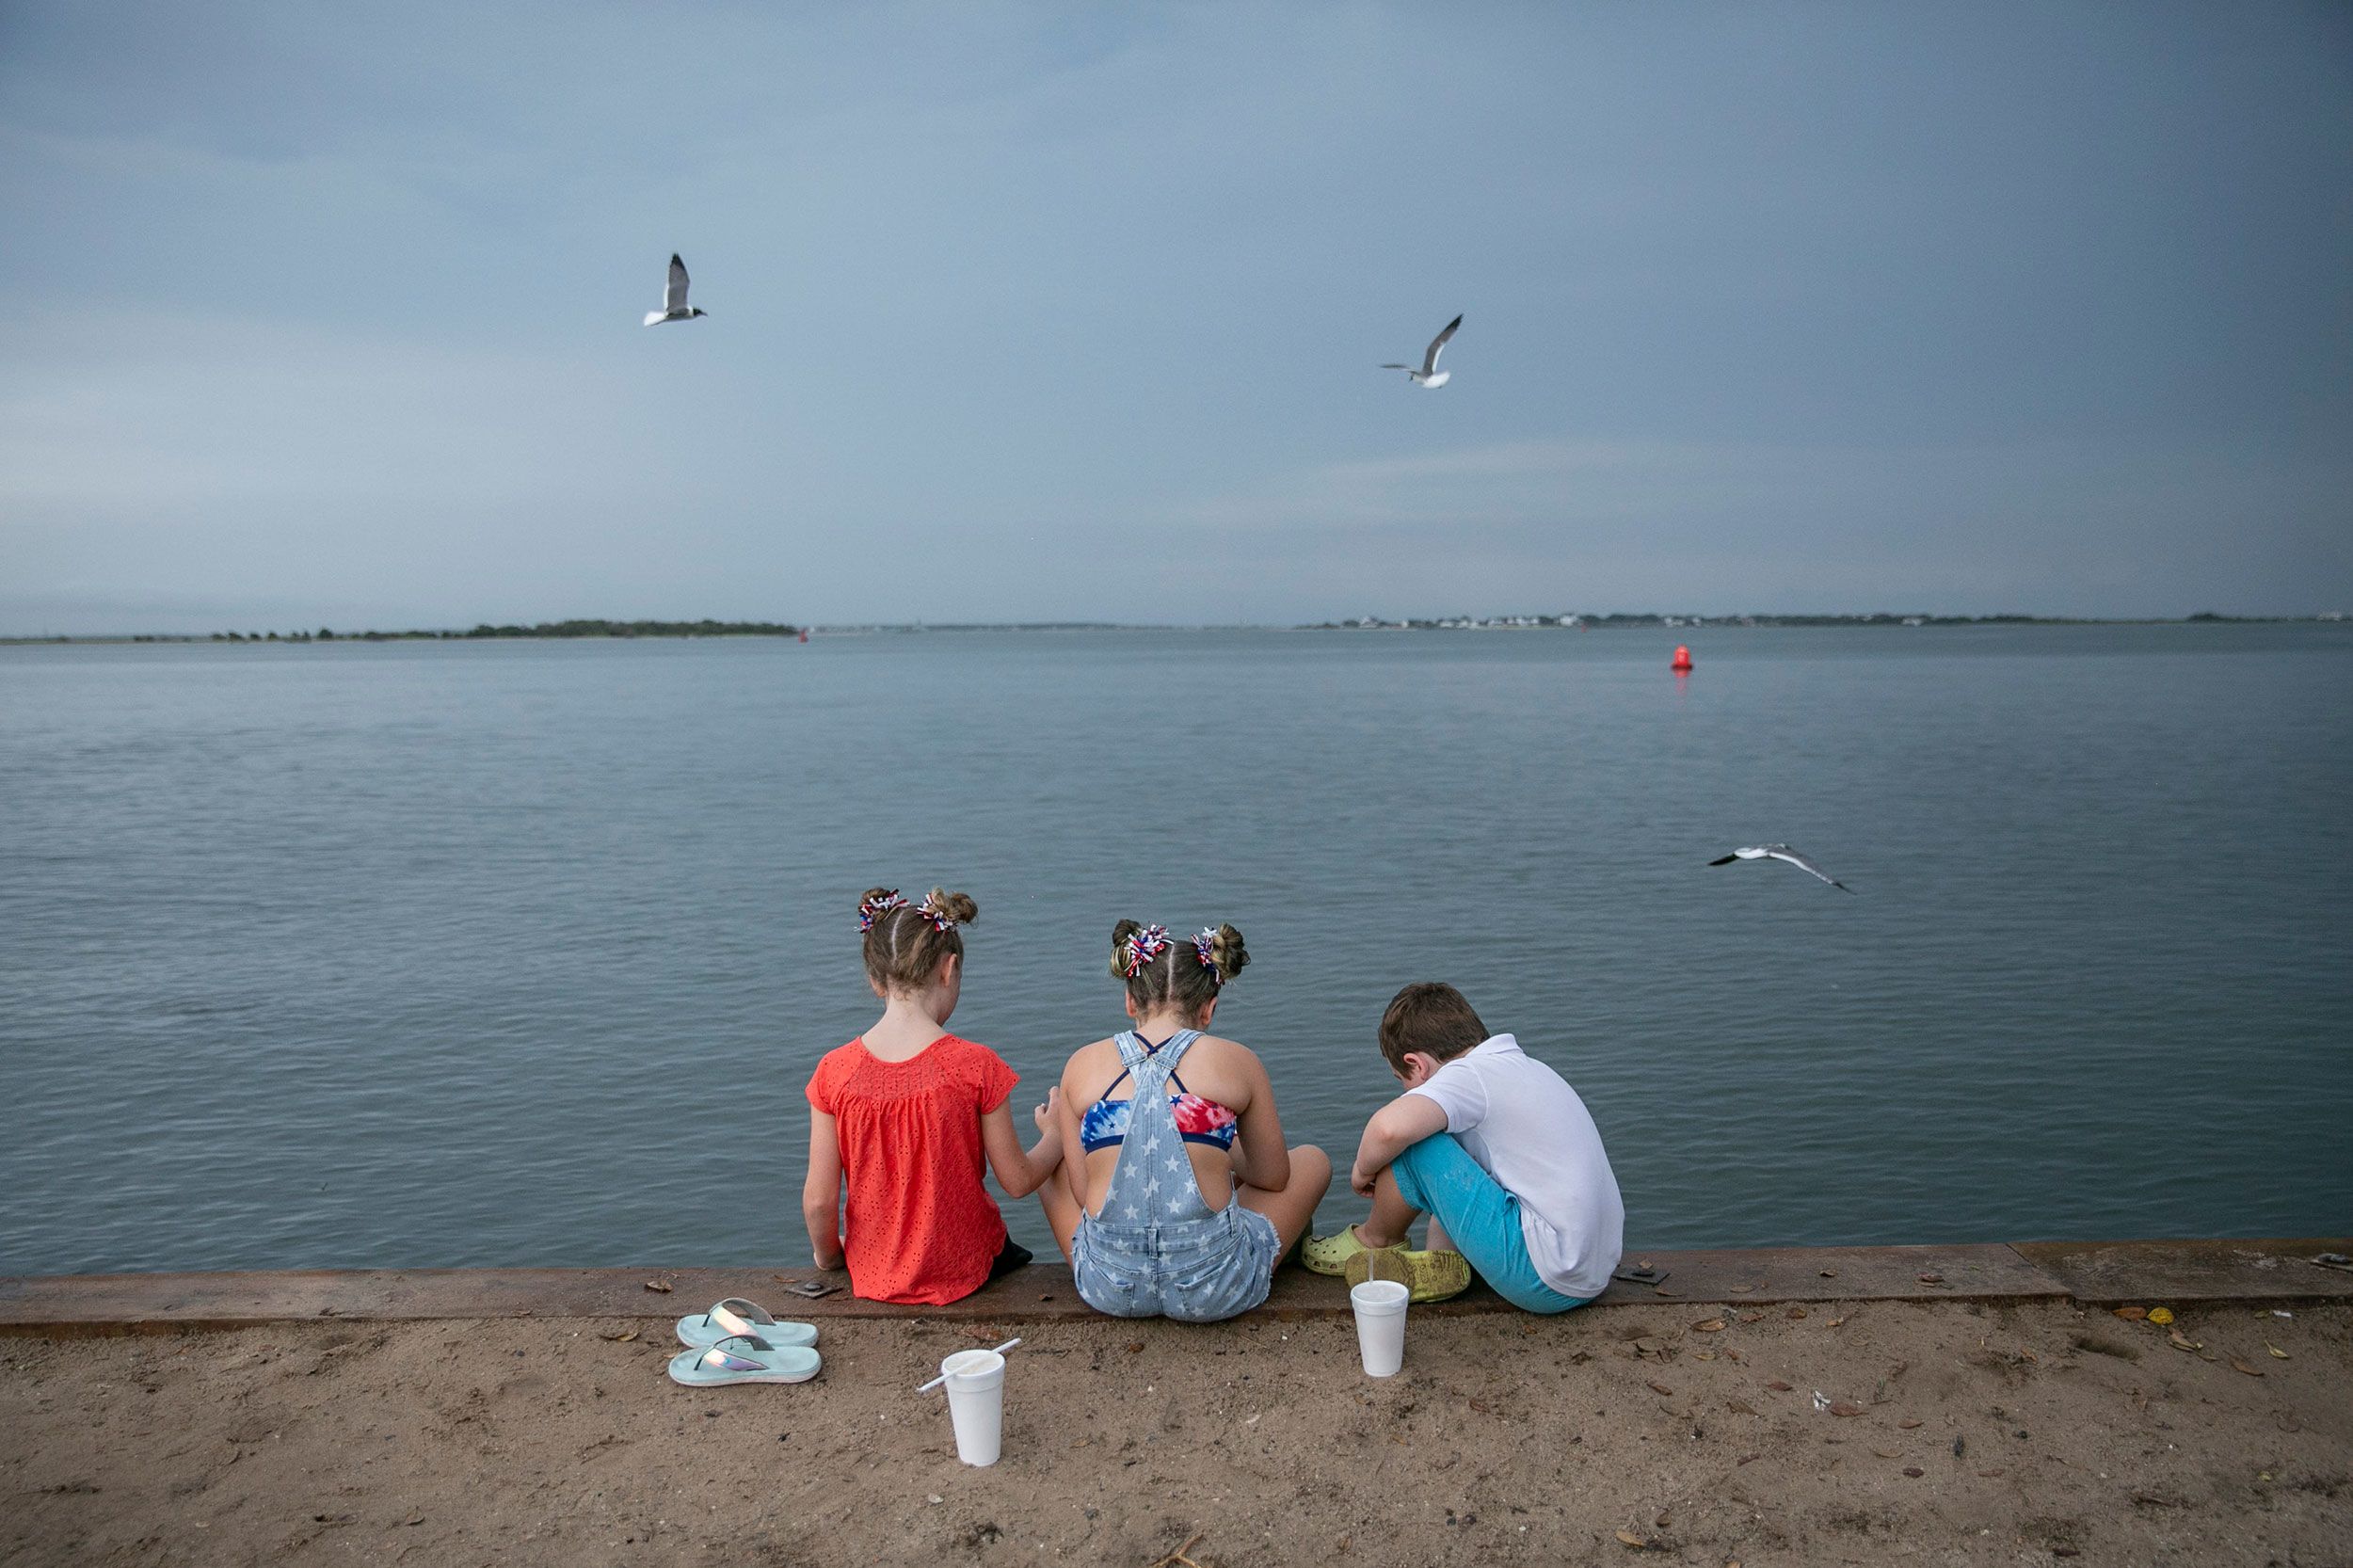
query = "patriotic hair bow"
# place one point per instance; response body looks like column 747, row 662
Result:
column 1205, row 948
column 941, row 921
column 872, row 909
column 1144, row 947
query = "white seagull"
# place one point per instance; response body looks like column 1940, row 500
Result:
column 1430, row 374
column 674, row 305
column 1782, row 852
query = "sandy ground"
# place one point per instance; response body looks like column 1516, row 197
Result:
column 1976, row 1435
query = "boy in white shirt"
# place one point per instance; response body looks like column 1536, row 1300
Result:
column 1498, row 1151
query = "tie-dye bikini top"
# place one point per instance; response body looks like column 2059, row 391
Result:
column 1198, row 1120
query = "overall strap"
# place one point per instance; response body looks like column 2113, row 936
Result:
column 1149, row 1065
column 1153, row 1182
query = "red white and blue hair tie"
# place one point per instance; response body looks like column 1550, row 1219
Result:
column 1205, row 948
column 941, row 921
column 1144, row 947
column 872, row 909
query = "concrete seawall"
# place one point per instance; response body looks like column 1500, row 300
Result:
column 2096, row 1273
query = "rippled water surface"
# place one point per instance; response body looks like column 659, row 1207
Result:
column 341, row 955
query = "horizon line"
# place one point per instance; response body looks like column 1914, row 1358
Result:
column 595, row 628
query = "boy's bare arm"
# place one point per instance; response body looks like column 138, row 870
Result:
column 1394, row 1129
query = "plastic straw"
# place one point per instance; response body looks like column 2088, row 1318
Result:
column 943, row 1377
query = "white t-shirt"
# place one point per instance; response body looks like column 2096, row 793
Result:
column 1527, row 1129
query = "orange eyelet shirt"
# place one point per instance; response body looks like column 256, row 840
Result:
column 919, row 1226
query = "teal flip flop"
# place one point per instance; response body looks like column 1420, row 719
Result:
column 743, row 1358
column 736, row 1316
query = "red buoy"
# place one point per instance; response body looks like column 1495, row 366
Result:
column 1682, row 665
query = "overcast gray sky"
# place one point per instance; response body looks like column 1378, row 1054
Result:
column 329, row 313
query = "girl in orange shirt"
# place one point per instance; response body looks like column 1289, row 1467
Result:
column 906, row 1113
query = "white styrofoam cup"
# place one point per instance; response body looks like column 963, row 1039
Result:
column 1379, row 1305
column 976, row 1403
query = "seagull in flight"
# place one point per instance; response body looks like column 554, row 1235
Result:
column 674, row 305
column 1782, row 852
column 1430, row 374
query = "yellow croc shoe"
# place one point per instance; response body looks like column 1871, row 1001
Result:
column 1330, row 1255
column 1427, row 1277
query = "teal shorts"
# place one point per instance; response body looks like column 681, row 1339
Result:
column 1439, row 1177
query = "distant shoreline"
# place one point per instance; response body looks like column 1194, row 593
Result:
column 570, row 630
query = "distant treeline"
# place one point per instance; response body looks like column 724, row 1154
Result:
column 1493, row 623
column 641, row 628
column 544, row 629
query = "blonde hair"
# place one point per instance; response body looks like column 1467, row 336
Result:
column 906, row 942
column 1182, row 972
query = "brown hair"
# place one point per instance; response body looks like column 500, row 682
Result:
column 1182, row 972
column 1430, row 1017
column 904, row 943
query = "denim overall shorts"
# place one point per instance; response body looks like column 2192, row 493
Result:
column 1157, row 1250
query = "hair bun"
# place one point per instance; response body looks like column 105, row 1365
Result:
column 1121, row 934
column 877, row 902
column 1227, row 952
column 957, row 908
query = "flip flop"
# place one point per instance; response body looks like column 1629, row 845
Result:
column 743, row 1358
column 1427, row 1277
column 736, row 1316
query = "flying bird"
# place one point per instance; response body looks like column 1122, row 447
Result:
column 674, row 305
column 1782, row 852
column 1430, row 374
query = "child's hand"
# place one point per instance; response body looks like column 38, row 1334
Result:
column 1362, row 1181
column 1043, row 1114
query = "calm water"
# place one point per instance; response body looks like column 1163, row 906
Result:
column 521, row 952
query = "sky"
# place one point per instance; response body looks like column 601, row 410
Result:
column 329, row 315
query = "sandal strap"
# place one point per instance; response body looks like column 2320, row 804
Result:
column 719, row 1358
column 740, row 1317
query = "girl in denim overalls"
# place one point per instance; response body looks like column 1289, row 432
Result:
column 1177, row 1195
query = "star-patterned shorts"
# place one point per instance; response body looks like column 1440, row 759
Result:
column 1197, row 1270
